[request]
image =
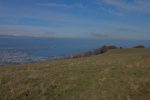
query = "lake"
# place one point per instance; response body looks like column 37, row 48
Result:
column 56, row 47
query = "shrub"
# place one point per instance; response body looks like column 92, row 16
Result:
column 101, row 50
column 139, row 46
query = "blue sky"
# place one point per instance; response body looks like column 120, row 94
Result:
column 114, row 19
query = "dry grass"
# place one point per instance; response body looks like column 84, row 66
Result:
column 116, row 75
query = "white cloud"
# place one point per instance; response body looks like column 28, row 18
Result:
column 22, row 30
column 43, row 15
column 110, row 11
column 133, row 5
column 59, row 5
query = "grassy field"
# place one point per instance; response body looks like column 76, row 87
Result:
column 121, row 74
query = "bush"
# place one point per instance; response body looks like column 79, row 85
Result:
column 139, row 46
column 104, row 49
column 101, row 50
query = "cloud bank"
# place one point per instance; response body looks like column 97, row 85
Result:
column 60, row 5
column 76, row 18
column 129, row 5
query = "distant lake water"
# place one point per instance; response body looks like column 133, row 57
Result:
column 56, row 47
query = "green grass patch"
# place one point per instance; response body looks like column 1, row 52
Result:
column 121, row 74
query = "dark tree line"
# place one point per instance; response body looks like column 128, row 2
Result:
column 100, row 50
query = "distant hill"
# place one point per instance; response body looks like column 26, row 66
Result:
column 119, row 74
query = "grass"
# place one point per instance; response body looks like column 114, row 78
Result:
column 121, row 74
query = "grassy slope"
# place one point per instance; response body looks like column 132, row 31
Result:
column 116, row 75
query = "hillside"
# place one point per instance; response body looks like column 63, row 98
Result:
column 121, row 74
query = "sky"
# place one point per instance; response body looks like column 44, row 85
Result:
column 96, row 19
